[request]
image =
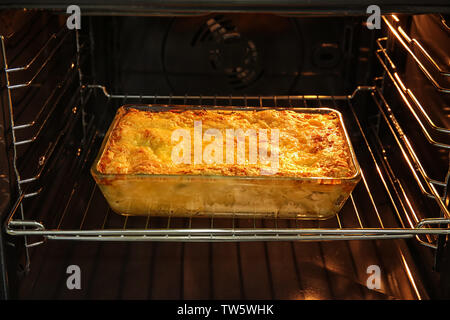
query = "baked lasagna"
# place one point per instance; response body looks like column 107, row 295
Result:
column 309, row 144
column 184, row 161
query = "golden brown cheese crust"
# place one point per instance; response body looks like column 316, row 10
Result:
column 310, row 144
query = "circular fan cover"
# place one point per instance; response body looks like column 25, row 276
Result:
column 222, row 54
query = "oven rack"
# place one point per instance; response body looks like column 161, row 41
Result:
column 48, row 53
column 402, row 90
column 392, row 71
column 416, row 108
column 22, row 77
column 433, row 70
column 379, row 208
column 365, row 216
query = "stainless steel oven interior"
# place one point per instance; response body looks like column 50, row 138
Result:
column 60, row 89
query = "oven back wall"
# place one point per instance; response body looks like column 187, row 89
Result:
column 225, row 54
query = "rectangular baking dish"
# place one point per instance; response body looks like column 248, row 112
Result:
column 225, row 196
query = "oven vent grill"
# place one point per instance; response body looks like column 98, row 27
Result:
column 229, row 52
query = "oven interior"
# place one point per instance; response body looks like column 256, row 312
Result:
column 62, row 87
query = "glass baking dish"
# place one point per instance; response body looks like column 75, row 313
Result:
column 265, row 196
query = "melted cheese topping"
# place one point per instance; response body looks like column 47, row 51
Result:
column 310, row 144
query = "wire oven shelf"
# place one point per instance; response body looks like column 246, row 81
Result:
column 23, row 82
column 377, row 209
column 380, row 207
column 437, row 74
